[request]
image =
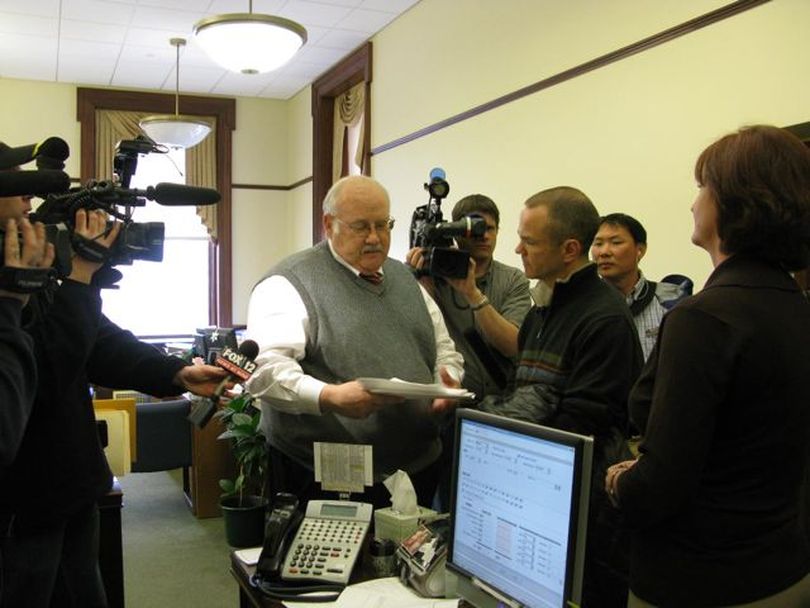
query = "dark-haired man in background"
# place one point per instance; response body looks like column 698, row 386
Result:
column 578, row 358
column 618, row 248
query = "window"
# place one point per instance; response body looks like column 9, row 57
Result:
column 147, row 299
column 89, row 101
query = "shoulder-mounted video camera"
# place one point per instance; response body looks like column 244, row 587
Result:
column 435, row 237
column 134, row 242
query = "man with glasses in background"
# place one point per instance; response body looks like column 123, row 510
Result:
column 333, row 313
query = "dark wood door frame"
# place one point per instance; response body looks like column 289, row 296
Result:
column 220, row 253
column 353, row 69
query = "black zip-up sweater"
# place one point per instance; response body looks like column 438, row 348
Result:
column 17, row 380
column 578, row 359
column 60, row 466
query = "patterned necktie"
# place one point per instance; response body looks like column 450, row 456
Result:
column 372, row 277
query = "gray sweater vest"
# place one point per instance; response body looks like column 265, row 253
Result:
column 358, row 329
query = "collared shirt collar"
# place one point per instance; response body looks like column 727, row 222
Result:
column 638, row 289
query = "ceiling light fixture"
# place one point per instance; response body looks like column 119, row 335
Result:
column 250, row 43
column 176, row 130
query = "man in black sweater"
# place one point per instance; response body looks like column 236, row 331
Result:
column 48, row 500
column 579, row 355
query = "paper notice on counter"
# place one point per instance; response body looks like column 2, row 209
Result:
column 343, row 467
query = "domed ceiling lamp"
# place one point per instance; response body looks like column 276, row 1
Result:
column 250, row 43
column 176, row 130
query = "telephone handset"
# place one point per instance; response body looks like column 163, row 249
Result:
column 282, row 524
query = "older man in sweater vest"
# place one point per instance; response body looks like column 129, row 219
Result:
column 339, row 311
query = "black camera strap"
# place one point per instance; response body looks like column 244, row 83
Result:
column 89, row 249
column 25, row 280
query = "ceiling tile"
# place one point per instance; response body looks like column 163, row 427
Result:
column 368, row 22
column 43, row 8
column 392, row 6
column 218, row 7
column 85, row 30
column 166, row 19
column 32, row 25
column 129, row 74
column 342, row 39
column 125, row 43
column 88, row 49
column 311, row 13
column 97, row 11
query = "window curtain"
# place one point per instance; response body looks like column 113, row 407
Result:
column 112, row 126
column 349, row 112
column 201, row 170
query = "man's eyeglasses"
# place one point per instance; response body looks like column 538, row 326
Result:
column 361, row 228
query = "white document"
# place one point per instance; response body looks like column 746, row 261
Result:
column 343, row 467
column 401, row 388
column 249, row 556
column 378, row 593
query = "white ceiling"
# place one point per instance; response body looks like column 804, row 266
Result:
column 125, row 43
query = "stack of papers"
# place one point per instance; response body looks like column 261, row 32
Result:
column 378, row 593
column 401, row 388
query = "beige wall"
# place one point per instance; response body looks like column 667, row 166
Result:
column 627, row 134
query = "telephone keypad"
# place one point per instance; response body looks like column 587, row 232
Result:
column 327, row 548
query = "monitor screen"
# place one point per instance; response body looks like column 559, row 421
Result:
column 519, row 508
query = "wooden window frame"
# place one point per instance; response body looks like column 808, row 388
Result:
column 353, row 69
column 220, row 251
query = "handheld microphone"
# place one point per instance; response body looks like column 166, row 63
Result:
column 25, row 183
column 241, row 366
column 171, row 195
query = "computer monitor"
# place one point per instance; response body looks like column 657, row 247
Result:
column 519, row 511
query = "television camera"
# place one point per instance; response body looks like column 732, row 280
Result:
column 435, row 236
column 135, row 241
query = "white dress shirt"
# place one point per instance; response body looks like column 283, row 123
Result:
column 279, row 323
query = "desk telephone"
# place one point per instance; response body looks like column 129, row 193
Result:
column 320, row 547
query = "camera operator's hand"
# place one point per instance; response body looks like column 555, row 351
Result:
column 91, row 225
column 467, row 286
column 350, row 399
column 36, row 252
column 416, row 260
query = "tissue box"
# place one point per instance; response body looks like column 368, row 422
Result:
column 392, row 525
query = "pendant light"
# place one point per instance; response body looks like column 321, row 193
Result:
column 176, row 130
column 250, row 43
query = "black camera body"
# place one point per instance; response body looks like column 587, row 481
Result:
column 435, row 236
column 135, row 241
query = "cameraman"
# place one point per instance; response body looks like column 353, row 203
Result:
column 482, row 312
column 50, row 548
column 492, row 300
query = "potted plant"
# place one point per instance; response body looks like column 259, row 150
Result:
column 243, row 502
